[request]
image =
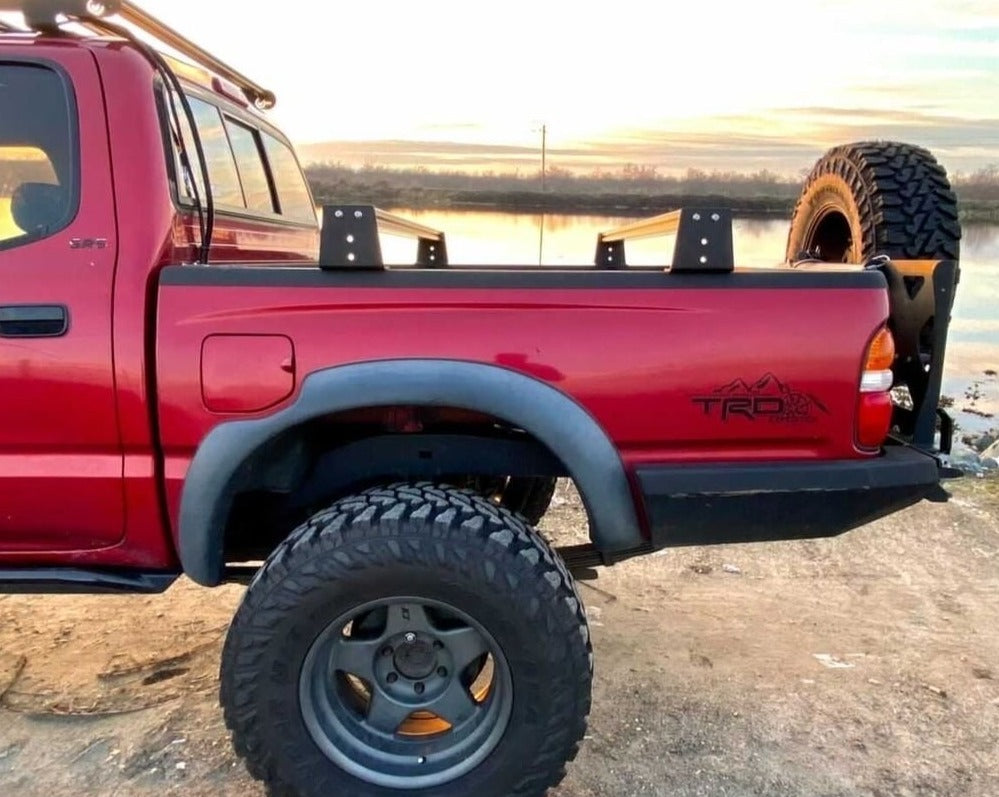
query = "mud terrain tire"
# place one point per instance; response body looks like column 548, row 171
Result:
column 387, row 580
column 875, row 198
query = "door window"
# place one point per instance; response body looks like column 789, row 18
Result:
column 38, row 194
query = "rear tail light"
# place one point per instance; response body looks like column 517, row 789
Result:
column 874, row 409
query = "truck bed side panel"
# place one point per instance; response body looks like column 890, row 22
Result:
column 723, row 368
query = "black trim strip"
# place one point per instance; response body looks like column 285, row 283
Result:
column 515, row 277
column 58, row 580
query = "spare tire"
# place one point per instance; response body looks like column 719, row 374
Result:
column 875, row 198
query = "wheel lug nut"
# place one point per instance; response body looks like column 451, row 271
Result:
column 442, row 672
column 391, row 677
column 419, row 688
column 386, row 651
column 438, row 645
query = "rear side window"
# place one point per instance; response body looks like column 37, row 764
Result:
column 253, row 175
column 221, row 164
column 292, row 190
column 38, row 160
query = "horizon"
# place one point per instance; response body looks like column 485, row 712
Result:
column 456, row 86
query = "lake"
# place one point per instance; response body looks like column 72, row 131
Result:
column 496, row 238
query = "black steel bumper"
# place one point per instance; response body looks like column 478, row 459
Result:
column 709, row 504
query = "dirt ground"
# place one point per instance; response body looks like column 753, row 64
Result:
column 864, row 665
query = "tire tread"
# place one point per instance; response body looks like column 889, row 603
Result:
column 908, row 209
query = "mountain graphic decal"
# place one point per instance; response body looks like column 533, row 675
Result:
column 766, row 398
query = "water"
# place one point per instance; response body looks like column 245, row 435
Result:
column 493, row 238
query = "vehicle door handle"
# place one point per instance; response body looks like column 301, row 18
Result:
column 33, row 321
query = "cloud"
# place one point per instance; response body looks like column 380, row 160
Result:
column 784, row 140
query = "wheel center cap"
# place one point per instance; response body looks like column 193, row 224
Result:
column 415, row 659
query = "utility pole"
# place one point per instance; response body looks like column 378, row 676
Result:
column 544, row 154
column 544, row 189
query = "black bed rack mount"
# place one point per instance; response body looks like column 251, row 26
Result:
column 350, row 238
column 49, row 15
column 703, row 240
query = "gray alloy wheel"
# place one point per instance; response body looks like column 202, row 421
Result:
column 382, row 683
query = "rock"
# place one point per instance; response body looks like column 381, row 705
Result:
column 979, row 442
column 989, row 463
column 832, row 662
column 967, row 460
column 984, row 441
column 731, row 569
column 992, row 452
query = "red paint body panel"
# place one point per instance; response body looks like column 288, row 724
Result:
column 60, row 453
column 634, row 359
column 98, row 427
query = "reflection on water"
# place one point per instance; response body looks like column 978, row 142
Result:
column 490, row 238
column 493, row 239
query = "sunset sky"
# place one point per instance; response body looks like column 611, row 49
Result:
column 730, row 85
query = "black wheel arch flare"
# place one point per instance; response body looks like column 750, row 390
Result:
column 556, row 420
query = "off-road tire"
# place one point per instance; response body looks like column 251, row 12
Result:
column 529, row 496
column 875, row 198
column 436, row 543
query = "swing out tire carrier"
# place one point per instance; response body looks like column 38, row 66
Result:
column 211, row 383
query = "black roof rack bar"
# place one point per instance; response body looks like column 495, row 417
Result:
column 134, row 15
column 43, row 15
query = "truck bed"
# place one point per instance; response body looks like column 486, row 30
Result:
column 665, row 362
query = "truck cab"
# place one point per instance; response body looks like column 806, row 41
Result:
column 90, row 178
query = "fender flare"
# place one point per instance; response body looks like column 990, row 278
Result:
column 551, row 416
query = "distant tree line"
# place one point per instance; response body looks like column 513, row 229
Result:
column 982, row 184
column 633, row 188
column 631, row 178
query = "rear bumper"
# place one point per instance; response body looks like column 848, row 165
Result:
column 709, row 504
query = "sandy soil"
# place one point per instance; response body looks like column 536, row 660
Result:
column 865, row 665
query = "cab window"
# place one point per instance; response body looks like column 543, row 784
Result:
column 250, row 170
column 294, row 197
column 226, row 190
column 252, row 174
column 38, row 193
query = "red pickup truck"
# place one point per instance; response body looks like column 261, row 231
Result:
column 197, row 378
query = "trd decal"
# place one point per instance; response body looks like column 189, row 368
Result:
column 766, row 399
